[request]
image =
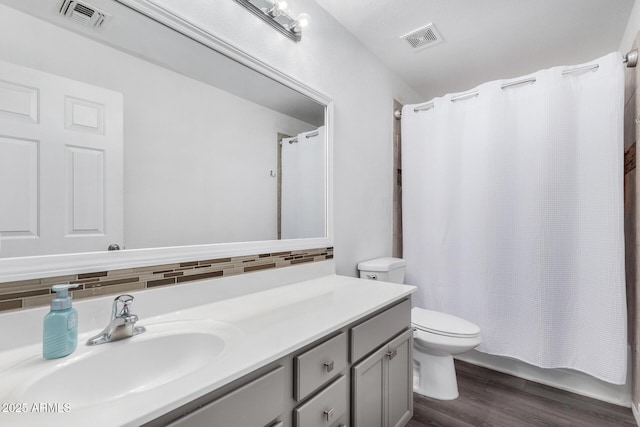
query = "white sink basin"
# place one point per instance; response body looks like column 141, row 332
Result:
column 95, row 375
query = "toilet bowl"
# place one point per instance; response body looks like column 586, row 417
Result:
column 437, row 336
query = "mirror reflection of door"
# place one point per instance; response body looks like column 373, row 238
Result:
column 61, row 145
column 302, row 202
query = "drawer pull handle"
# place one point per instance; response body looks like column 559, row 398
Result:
column 328, row 366
column 391, row 354
column 328, row 413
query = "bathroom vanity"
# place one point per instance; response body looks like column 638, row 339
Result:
column 310, row 387
column 251, row 350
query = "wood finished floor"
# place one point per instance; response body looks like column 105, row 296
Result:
column 490, row 398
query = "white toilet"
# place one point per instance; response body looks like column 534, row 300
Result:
column 436, row 338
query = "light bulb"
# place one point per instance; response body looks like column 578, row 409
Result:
column 301, row 21
column 282, row 5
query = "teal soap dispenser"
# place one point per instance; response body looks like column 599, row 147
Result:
column 60, row 334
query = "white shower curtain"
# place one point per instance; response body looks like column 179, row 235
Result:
column 303, row 162
column 513, row 216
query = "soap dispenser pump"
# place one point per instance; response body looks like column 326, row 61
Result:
column 60, row 333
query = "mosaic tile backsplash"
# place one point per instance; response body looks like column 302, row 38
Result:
column 37, row 292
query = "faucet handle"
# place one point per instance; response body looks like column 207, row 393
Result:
column 126, row 301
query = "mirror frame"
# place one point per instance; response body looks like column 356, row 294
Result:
column 35, row 267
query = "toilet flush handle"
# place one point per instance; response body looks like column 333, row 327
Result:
column 372, row 276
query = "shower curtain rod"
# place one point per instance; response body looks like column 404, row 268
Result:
column 307, row 136
column 630, row 58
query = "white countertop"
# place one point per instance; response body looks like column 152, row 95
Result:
column 257, row 328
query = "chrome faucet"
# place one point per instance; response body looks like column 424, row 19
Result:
column 121, row 325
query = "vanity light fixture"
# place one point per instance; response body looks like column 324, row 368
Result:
column 277, row 14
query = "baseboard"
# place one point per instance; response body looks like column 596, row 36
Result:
column 564, row 379
column 636, row 415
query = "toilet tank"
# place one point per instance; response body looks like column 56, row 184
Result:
column 386, row 269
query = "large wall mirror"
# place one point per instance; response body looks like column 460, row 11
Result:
column 147, row 136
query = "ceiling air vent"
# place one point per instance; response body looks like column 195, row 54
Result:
column 423, row 37
column 83, row 13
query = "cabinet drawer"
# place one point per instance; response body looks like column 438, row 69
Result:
column 372, row 333
column 255, row 404
column 326, row 409
column 319, row 365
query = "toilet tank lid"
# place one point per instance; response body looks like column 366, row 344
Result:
column 382, row 264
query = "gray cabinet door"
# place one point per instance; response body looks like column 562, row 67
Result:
column 382, row 385
column 368, row 381
column 400, row 372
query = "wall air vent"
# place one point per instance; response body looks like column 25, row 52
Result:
column 423, row 37
column 83, row 13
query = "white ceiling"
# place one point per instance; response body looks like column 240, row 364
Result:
column 484, row 39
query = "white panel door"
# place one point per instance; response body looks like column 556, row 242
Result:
column 19, row 185
column 61, row 178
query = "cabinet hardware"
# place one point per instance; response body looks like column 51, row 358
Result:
column 393, row 353
column 328, row 366
column 277, row 424
column 328, row 413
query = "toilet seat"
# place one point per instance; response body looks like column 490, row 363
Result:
column 438, row 323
